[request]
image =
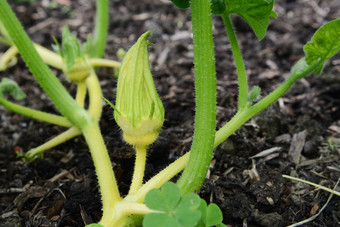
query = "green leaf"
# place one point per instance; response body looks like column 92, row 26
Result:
column 324, row 44
column 254, row 94
column 56, row 47
column 165, row 199
column 10, row 87
column 159, row 219
column 70, row 47
column 187, row 212
column 255, row 12
column 214, row 215
column 88, row 46
column 218, row 6
column 211, row 215
column 182, row 4
column 174, row 210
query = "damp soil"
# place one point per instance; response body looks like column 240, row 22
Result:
column 245, row 176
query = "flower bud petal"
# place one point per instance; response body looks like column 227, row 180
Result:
column 139, row 110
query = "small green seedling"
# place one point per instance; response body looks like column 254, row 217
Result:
column 139, row 111
column 331, row 145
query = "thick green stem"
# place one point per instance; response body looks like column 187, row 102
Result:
column 47, row 80
column 101, row 28
column 205, row 87
column 240, row 68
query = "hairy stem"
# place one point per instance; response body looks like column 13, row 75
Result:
column 157, row 181
column 61, row 138
column 205, row 88
column 106, row 178
column 138, row 174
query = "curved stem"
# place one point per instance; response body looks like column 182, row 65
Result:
column 106, row 178
column 138, row 174
column 7, row 58
column 205, row 87
column 241, row 70
column 95, row 94
column 158, row 180
column 49, row 57
column 81, row 93
column 36, row 114
column 61, row 138
column 99, row 62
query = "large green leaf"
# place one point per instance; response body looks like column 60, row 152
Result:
column 255, row 12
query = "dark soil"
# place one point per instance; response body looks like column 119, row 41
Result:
column 62, row 190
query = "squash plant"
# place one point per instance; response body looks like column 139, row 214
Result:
column 139, row 111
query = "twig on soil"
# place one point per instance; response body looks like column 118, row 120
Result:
column 16, row 190
column 324, row 206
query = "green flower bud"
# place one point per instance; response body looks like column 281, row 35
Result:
column 79, row 71
column 139, row 112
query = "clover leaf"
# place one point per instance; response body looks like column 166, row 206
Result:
column 174, row 210
column 255, row 12
column 169, row 195
column 211, row 215
column 324, row 44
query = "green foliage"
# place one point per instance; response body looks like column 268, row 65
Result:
column 174, row 210
column 71, row 50
column 254, row 94
column 141, row 112
column 182, row 4
column 10, row 87
column 211, row 215
column 218, row 6
column 324, row 44
column 255, row 12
